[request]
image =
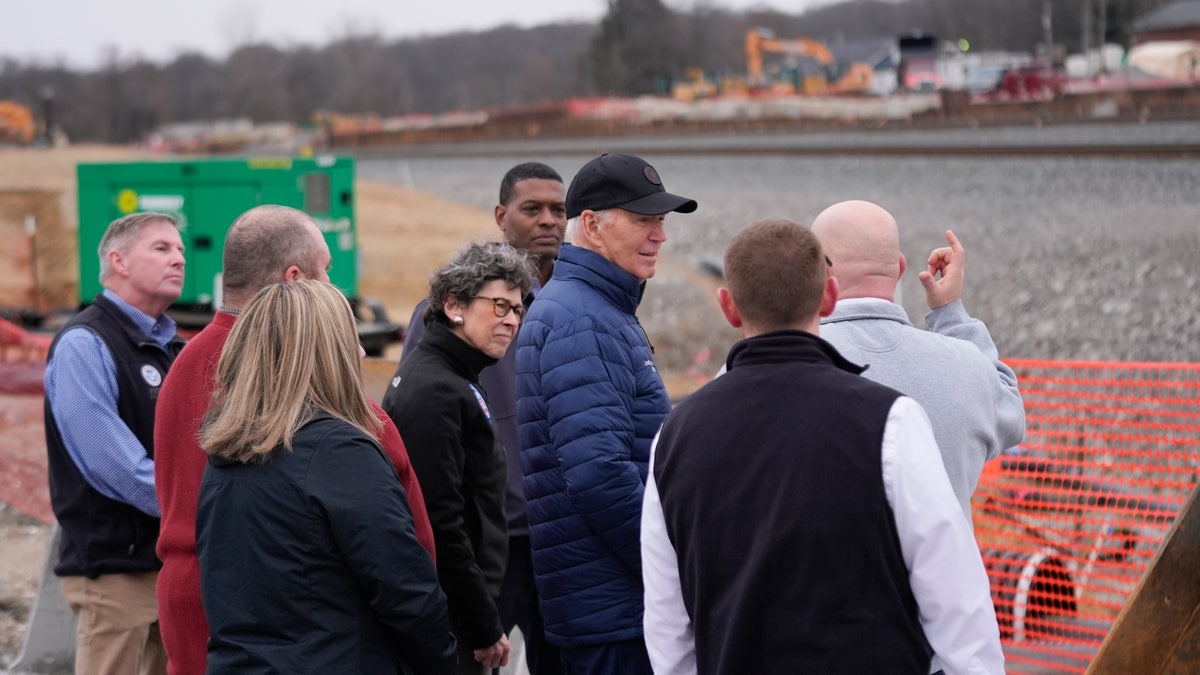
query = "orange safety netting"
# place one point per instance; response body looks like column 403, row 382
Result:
column 1069, row 520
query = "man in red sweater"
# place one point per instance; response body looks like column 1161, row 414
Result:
column 266, row 245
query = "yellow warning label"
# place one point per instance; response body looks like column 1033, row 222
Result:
column 127, row 201
column 269, row 163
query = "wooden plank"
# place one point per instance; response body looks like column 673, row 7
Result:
column 1158, row 631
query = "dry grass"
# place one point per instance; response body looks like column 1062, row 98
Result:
column 404, row 236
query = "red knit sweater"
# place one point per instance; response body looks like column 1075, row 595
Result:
column 178, row 467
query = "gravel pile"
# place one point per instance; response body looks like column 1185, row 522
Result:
column 1067, row 259
column 1072, row 258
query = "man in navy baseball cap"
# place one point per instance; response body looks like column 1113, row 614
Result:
column 622, row 181
column 590, row 400
column 616, row 207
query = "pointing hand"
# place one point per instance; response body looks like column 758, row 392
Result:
column 948, row 262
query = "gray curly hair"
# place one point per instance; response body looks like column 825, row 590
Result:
column 470, row 268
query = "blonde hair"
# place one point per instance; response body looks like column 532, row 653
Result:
column 292, row 355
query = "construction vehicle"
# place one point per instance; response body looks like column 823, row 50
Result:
column 205, row 196
column 919, row 56
column 16, row 123
column 853, row 78
column 694, row 85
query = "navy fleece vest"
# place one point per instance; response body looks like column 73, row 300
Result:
column 102, row 535
column 771, row 484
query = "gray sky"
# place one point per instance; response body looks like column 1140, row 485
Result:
column 82, row 31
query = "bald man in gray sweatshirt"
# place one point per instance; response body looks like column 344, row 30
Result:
column 953, row 370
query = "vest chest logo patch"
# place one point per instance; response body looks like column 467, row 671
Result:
column 151, row 375
column 649, row 363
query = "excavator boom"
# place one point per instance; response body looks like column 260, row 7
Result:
column 760, row 41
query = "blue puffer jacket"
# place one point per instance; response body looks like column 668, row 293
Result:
column 589, row 403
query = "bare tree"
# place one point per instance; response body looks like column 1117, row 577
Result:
column 636, row 45
column 636, row 48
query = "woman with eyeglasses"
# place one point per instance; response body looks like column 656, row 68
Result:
column 475, row 309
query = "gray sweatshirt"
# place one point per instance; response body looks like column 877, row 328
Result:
column 953, row 370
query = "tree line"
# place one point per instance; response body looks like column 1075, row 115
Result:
column 636, row 47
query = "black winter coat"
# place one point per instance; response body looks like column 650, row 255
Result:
column 441, row 411
column 309, row 563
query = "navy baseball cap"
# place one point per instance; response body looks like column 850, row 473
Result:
column 622, row 181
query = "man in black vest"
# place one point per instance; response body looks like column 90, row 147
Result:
column 798, row 518
column 102, row 380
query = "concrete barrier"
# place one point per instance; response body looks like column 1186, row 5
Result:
column 49, row 645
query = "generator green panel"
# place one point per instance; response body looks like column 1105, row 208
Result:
column 212, row 204
column 206, row 196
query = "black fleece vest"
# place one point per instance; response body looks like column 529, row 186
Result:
column 102, row 535
column 771, row 484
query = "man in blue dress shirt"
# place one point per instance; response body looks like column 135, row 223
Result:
column 102, row 380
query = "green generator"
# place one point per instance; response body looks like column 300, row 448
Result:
column 206, row 196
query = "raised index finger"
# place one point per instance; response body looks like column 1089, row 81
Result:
column 954, row 243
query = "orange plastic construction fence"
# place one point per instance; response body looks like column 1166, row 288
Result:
column 1069, row 520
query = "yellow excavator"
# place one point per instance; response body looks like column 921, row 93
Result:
column 695, row 85
column 856, row 79
column 16, row 123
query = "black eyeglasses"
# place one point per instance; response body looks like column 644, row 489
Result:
column 502, row 307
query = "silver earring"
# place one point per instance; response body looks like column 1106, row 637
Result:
column 457, row 321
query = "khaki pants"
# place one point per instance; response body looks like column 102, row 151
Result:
column 118, row 624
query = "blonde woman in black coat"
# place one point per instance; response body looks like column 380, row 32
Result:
column 308, row 558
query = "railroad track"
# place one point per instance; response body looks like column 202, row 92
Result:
column 786, row 146
column 1140, row 151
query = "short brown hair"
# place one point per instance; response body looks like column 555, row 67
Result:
column 775, row 271
column 262, row 243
